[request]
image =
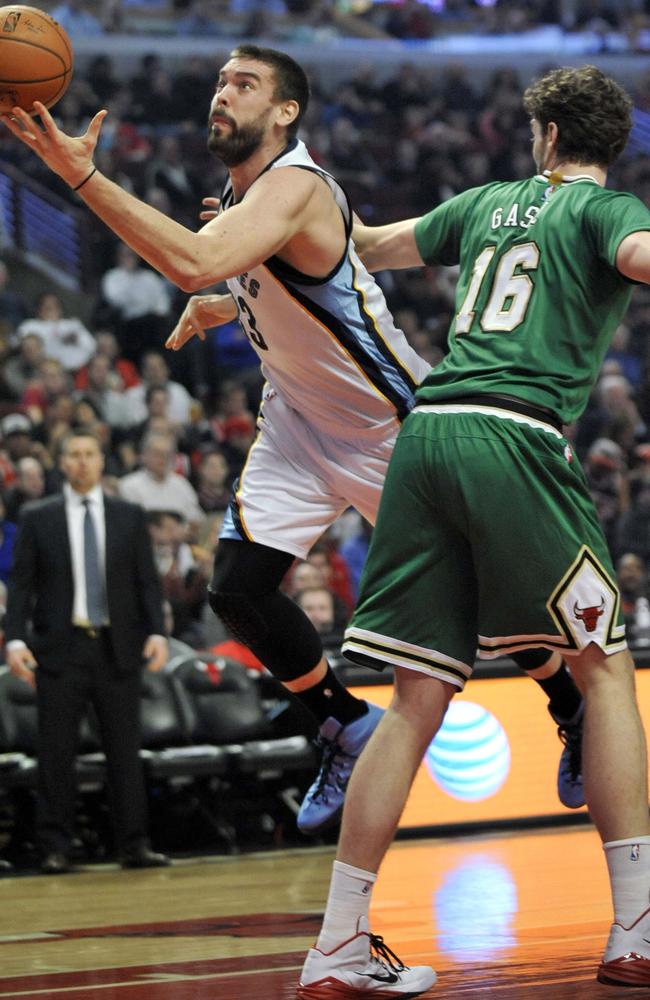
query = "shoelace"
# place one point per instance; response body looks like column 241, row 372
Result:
column 381, row 953
column 571, row 736
column 327, row 776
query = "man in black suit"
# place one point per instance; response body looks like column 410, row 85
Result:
column 84, row 612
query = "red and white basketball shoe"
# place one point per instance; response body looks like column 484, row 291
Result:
column 627, row 956
column 361, row 966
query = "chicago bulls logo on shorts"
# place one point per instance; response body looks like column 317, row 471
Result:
column 585, row 605
column 589, row 616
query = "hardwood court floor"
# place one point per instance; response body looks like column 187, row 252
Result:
column 495, row 915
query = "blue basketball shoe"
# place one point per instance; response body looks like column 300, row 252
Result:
column 570, row 788
column 341, row 745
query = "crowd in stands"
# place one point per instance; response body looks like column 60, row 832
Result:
column 311, row 20
column 176, row 426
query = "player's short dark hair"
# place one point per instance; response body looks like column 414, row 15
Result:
column 291, row 83
column 592, row 111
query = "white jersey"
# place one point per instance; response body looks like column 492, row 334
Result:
column 328, row 346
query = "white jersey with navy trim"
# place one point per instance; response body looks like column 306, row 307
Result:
column 328, row 347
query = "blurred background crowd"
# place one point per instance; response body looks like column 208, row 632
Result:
column 619, row 23
column 176, row 426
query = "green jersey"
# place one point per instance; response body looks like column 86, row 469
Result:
column 538, row 297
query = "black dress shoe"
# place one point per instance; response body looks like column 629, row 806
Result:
column 55, row 864
column 144, row 858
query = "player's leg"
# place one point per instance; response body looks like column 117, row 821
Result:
column 616, row 786
column 417, row 613
column 571, row 602
column 245, row 593
column 345, row 955
column 294, row 484
column 565, row 706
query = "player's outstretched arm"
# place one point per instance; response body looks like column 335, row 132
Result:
column 200, row 314
column 274, row 210
column 391, row 246
column 633, row 257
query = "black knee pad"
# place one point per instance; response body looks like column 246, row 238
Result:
column 244, row 594
column 240, row 616
column 277, row 630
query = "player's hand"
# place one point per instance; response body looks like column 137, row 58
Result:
column 22, row 664
column 213, row 208
column 71, row 157
column 155, row 652
column 200, row 314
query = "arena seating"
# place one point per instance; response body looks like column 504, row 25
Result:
column 208, row 743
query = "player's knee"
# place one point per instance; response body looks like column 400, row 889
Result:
column 239, row 614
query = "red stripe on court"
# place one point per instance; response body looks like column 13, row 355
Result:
column 245, row 926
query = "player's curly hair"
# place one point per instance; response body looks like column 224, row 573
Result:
column 592, row 111
column 291, row 83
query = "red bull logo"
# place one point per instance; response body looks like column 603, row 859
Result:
column 589, row 616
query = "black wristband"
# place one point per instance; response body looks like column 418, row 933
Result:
column 86, row 179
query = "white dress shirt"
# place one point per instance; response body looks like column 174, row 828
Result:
column 66, row 340
column 75, row 513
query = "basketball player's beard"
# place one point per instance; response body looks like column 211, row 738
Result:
column 239, row 143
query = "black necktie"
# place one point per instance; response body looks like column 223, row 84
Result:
column 95, row 595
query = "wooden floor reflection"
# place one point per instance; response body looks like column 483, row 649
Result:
column 495, row 915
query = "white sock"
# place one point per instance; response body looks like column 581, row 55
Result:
column 628, row 862
column 349, row 899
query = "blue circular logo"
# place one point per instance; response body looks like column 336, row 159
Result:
column 470, row 755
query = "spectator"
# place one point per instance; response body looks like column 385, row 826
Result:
column 135, row 301
column 17, row 443
column 109, row 404
column 156, row 399
column 23, row 367
column 213, row 482
column 123, row 373
column 42, row 394
column 168, row 171
column 156, row 487
column 65, row 340
column 29, row 485
column 325, row 611
column 304, row 575
column 232, row 402
column 184, row 584
column 605, row 469
column 632, row 578
column 155, row 373
column 238, row 436
column 337, row 577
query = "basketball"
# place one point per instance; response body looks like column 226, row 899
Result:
column 35, row 58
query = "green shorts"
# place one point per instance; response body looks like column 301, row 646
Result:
column 487, row 538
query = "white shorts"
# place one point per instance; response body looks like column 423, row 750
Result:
column 297, row 481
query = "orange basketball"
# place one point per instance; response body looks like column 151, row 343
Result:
column 35, row 58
